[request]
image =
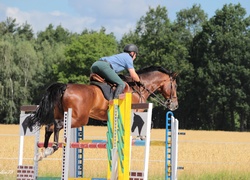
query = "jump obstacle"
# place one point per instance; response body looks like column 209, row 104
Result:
column 119, row 140
column 118, row 145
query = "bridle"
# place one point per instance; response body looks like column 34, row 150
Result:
column 155, row 97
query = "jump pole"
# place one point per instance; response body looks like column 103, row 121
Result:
column 171, row 148
column 66, row 147
column 118, row 135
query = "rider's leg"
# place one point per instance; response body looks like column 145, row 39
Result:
column 118, row 91
column 104, row 70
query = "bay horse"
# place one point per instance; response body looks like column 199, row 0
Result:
column 88, row 101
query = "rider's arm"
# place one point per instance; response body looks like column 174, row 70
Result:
column 133, row 75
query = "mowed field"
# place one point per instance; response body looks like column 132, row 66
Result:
column 200, row 152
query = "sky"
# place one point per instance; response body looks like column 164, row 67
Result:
column 117, row 16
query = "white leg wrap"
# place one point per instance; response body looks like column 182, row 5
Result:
column 48, row 151
column 39, row 156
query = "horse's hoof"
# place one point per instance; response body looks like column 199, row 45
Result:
column 48, row 151
column 38, row 157
column 142, row 138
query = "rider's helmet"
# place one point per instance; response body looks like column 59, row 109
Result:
column 130, row 48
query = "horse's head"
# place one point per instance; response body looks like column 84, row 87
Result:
column 168, row 89
column 156, row 78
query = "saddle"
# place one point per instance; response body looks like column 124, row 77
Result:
column 107, row 87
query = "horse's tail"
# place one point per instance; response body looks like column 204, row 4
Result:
column 44, row 114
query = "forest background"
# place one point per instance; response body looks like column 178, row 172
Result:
column 212, row 57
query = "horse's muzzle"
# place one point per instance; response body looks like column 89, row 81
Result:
column 171, row 105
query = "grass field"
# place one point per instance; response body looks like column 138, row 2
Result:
column 203, row 154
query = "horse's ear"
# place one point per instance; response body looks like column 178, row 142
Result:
column 175, row 74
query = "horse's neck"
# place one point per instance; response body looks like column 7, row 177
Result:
column 152, row 82
column 141, row 94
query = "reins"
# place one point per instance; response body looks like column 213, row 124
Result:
column 157, row 99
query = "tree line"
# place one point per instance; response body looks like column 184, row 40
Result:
column 211, row 56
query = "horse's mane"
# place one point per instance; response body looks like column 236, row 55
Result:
column 154, row 68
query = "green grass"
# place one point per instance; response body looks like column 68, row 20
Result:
column 223, row 175
column 49, row 178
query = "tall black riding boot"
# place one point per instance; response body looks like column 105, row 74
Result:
column 118, row 91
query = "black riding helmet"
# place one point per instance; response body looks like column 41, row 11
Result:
column 131, row 48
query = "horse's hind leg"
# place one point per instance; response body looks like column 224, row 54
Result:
column 57, row 128
column 58, row 125
column 48, row 131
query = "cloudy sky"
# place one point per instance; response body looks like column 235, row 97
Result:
column 117, row 16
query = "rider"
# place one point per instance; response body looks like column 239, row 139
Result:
column 108, row 67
